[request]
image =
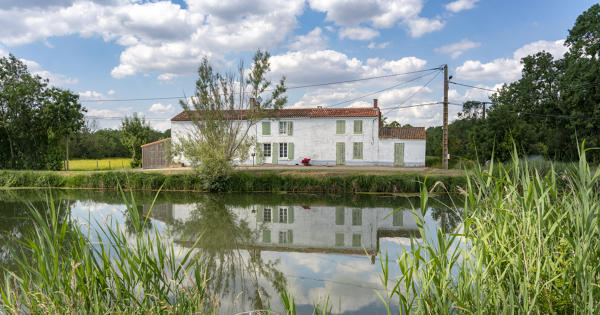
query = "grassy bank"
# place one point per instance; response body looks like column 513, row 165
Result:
column 239, row 181
column 100, row 164
column 528, row 245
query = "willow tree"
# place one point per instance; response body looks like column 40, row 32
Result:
column 223, row 110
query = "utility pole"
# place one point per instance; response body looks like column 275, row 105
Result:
column 445, row 135
column 484, row 103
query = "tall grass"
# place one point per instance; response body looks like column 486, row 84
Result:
column 68, row 266
column 63, row 269
column 527, row 245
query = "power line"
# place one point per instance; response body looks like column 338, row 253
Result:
column 419, row 90
column 379, row 91
column 288, row 88
column 472, row 86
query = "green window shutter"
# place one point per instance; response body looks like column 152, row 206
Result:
column 339, row 239
column 259, row 153
column 290, row 237
column 266, row 128
column 275, row 152
column 340, row 127
column 356, row 240
column 360, row 150
column 339, row 215
column 398, row 218
column 291, row 151
column 290, row 128
column 259, row 214
column 290, row 214
column 356, row 216
column 358, row 126
column 266, row 236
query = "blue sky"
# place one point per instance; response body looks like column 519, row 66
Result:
column 123, row 49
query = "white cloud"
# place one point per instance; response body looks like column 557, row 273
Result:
column 458, row 48
column 358, row 33
column 507, row 69
column 373, row 45
column 314, row 40
column 91, row 95
column 54, row 79
column 159, row 37
column 420, row 26
column 111, row 92
column 460, row 5
column 303, row 67
column 159, row 108
column 379, row 14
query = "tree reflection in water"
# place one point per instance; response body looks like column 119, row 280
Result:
column 221, row 235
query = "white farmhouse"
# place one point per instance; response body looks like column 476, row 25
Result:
column 327, row 136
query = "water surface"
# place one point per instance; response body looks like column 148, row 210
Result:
column 254, row 245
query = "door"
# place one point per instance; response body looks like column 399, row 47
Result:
column 398, row 154
column 340, row 153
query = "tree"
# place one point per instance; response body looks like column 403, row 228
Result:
column 34, row 119
column 223, row 111
column 135, row 132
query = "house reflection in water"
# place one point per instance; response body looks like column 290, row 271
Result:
column 310, row 229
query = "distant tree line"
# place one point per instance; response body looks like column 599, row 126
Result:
column 89, row 143
column 551, row 110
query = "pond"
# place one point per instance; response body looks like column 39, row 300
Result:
column 254, row 245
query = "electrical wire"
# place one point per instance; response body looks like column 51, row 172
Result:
column 288, row 88
column 379, row 91
column 416, row 92
column 471, row 86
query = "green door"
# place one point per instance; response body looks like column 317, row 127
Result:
column 398, row 154
column 340, row 153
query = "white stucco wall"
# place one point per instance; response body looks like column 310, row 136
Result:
column 316, row 138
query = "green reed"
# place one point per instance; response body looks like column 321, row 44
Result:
column 528, row 244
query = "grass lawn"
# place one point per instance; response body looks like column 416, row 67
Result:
column 101, row 164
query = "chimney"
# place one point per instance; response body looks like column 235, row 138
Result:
column 374, row 103
column 253, row 104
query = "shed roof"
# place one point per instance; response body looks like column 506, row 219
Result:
column 408, row 133
column 155, row 142
column 297, row 113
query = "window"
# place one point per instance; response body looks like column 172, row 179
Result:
column 285, row 128
column 356, row 240
column 357, row 150
column 283, row 150
column 267, row 215
column 266, row 149
column 358, row 126
column 266, row 237
column 339, row 239
column 340, row 127
column 356, row 216
column 283, row 237
column 283, row 215
column 266, row 128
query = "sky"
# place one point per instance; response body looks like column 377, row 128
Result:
column 112, row 51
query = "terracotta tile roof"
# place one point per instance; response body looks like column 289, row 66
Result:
column 408, row 133
column 155, row 142
column 300, row 113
